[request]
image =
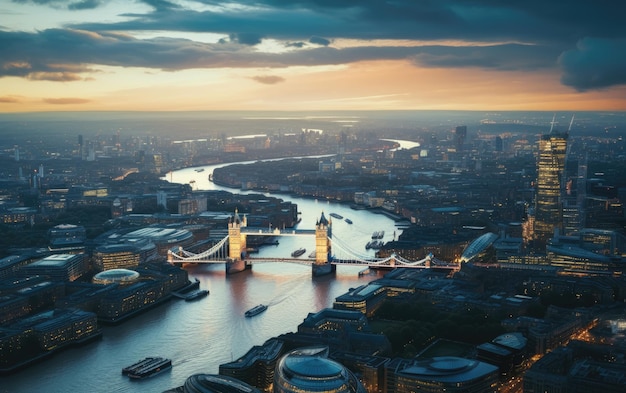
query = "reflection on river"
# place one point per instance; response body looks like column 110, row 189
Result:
column 199, row 336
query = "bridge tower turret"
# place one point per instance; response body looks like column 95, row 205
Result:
column 236, row 241
column 323, row 234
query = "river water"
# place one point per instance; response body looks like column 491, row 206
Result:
column 199, row 336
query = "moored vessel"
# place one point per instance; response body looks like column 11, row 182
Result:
column 147, row 367
column 197, row 294
column 135, row 366
column 298, row 252
column 255, row 310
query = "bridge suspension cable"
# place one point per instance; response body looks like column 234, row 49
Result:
column 217, row 252
column 355, row 257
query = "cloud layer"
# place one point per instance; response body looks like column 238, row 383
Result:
column 586, row 41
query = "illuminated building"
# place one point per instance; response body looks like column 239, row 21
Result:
column 67, row 238
column 18, row 215
column 370, row 369
column 577, row 368
column 257, row 366
column 13, row 307
column 333, row 320
column 366, row 299
column 592, row 251
column 13, row 344
column 550, row 167
column 116, row 276
column 59, row 267
column 505, row 351
column 12, row 264
column 123, row 255
column 309, row 370
column 439, row 374
column 479, row 245
column 136, row 291
column 162, row 237
column 57, row 328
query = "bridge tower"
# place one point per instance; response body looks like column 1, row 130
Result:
column 323, row 234
column 236, row 244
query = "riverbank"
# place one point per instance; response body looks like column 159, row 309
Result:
column 48, row 354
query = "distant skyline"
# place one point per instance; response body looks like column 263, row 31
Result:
column 276, row 55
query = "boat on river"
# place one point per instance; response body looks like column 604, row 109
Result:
column 256, row 310
column 298, row 252
column 147, row 367
column 135, row 366
column 197, row 294
column 349, row 221
column 337, row 216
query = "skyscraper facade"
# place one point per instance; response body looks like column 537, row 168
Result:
column 550, row 169
column 460, row 133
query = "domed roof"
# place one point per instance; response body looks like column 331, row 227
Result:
column 116, row 276
column 209, row 383
column 309, row 370
column 313, row 366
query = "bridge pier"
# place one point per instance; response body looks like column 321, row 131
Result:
column 322, row 269
column 235, row 265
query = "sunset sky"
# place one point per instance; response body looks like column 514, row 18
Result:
column 156, row 55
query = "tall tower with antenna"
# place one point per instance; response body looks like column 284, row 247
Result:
column 550, row 184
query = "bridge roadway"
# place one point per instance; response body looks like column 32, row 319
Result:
column 277, row 232
column 390, row 262
column 218, row 254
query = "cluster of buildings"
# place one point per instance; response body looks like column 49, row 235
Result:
column 54, row 298
column 555, row 351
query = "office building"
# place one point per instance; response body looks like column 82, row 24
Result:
column 257, row 366
column 59, row 267
column 441, row 374
column 550, row 167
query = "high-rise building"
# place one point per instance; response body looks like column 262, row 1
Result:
column 460, row 133
column 550, row 169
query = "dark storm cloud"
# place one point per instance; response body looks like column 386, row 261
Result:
column 594, row 64
column 246, row 38
column 549, row 30
column 319, row 41
column 508, row 57
column 161, row 5
column 60, row 54
column 84, row 5
column 73, row 5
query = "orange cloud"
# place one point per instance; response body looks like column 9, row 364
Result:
column 54, row 76
column 268, row 79
column 8, row 100
column 66, row 101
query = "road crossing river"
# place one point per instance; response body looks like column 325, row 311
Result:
column 199, row 336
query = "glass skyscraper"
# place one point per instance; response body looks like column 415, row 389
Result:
column 550, row 172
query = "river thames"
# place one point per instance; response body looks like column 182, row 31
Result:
column 199, row 336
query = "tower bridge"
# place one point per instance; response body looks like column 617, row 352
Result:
column 232, row 251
